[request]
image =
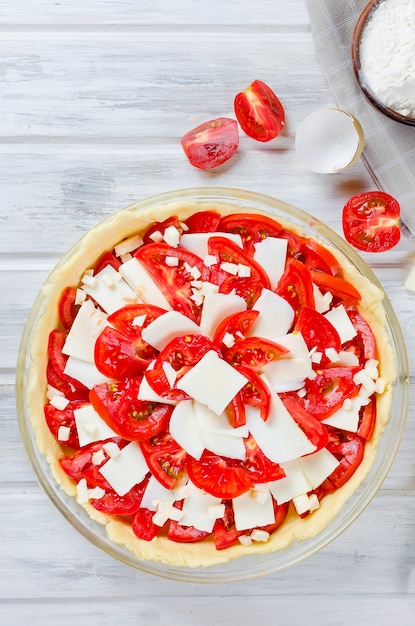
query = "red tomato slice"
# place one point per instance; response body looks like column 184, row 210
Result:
column 318, row 333
column 227, row 251
column 236, row 325
column 143, row 525
column 116, row 356
column 328, row 390
column 258, row 466
column 310, row 425
column 56, row 418
column 129, row 417
column 108, row 258
column 58, row 360
column 235, row 411
column 165, row 458
column 371, row 221
column 338, row 286
column 203, row 222
column 224, row 530
column 80, row 464
column 349, row 449
column 363, row 345
column 255, row 392
column 174, row 282
column 113, row 504
column 123, row 320
column 317, row 257
column 219, row 476
column 254, row 352
column 160, row 227
column 212, row 143
column 367, row 419
column 70, row 391
column 247, row 288
column 185, row 534
column 296, row 287
column 66, row 308
column 252, row 229
column 259, row 111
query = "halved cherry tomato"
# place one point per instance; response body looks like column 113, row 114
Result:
column 174, row 282
column 220, row 476
column 66, row 308
column 236, row 324
column 310, row 425
column 251, row 228
column 328, row 390
column 371, row 221
column 367, row 419
column 318, row 332
column 56, row 418
column 114, row 504
column 212, row 143
column 132, row 419
column 143, row 525
column 254, row 352
column 181, row 353
column 338, row 286
column 259, row 111
column 165, row 458
column 296, row 286
column 363, row 345
column 203, row 222
column 227, row 251
column 161, row 227
column 349, row 449
column 108, row 258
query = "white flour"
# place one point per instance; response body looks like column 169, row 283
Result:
column 387, row 55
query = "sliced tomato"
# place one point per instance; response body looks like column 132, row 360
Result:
column 61, row 384
column 236, row 324
column 227, row 251
column 280, row 512
column 132, row 419
column 114, row 504
column 371, row 221
column 220, row 476
column 67, row 308
column 316, row 257
column 203, row 222
column 318, row 332
column 143, row 525
column 124, row 321
column 259, row 111
column 338, row 286
column 255, row 392
column 224, row 530
column 212, row 143
column 160, row 227
column 251, row 228
column 174, row 282
column 55, row 418
column 185, row 534
column 254, row 352
column 328, row 390
column 58, row 360
column 116, row 356
column 363, row 345
column 309, row 424
column 181, row 353
column 367, row 419
column 235, row 411
column 248, row 289
column 258, row 466
column 165, row 458
column 80, row 465
column 349, row 449
column 108, row 258
column 296, row 287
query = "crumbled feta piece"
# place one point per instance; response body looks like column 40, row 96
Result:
column 59, row 402
column 171, row 236
column 156, row 236
column 63, row 433
column 171, row 261
column 259, row 535
column 112, row 449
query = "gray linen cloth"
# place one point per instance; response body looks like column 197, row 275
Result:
column 389, row 152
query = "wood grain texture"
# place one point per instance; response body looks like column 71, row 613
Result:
column 95, row 96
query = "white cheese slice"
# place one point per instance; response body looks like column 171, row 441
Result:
column 197, row 243
column 250, row 512
column 88, row 324
column 142, row 283
column 292, row 485
column 341, row 322
column 318, row 466
column 321, row 301
column 218, row 435
column 212, row 381
column 288, row 374
column 280, row 438
column 90, row 426
column 168, row 326
column 85, row 372
column 347, row 418
column 156, row 492
column 275, row 316
column 271, row 254
column 185, row 430
column 110, row 290
column 196, row 508
column 129, row 468
column 147, row 393
column 218, row 306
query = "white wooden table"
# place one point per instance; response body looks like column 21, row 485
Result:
column 94, row 97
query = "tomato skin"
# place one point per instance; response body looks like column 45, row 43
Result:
column 254, row 352
column 349, row 449
column 212, row 143
column 113, row 504
column 367, row 419
column 165, row 458
column 296, row 287
column 252, row 229
column 339, row 287
column 133, row 419
column 371, row 221
column 310, row 425
column 317, row 257
column 174, row 282
column 235, row 411
column 185, row 534
column 259, row 112
column 203, row 222
column 219, row 476
column 108, row 258
column 143, row 526
column 364, row 344
column 318, row 333
column 66, row 308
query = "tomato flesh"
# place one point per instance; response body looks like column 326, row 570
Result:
column 371, row 221
column 165, row 458
column 212, row 143
column 259, row 111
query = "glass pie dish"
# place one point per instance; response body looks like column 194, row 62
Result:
column 246, row 566
column 359, row 52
